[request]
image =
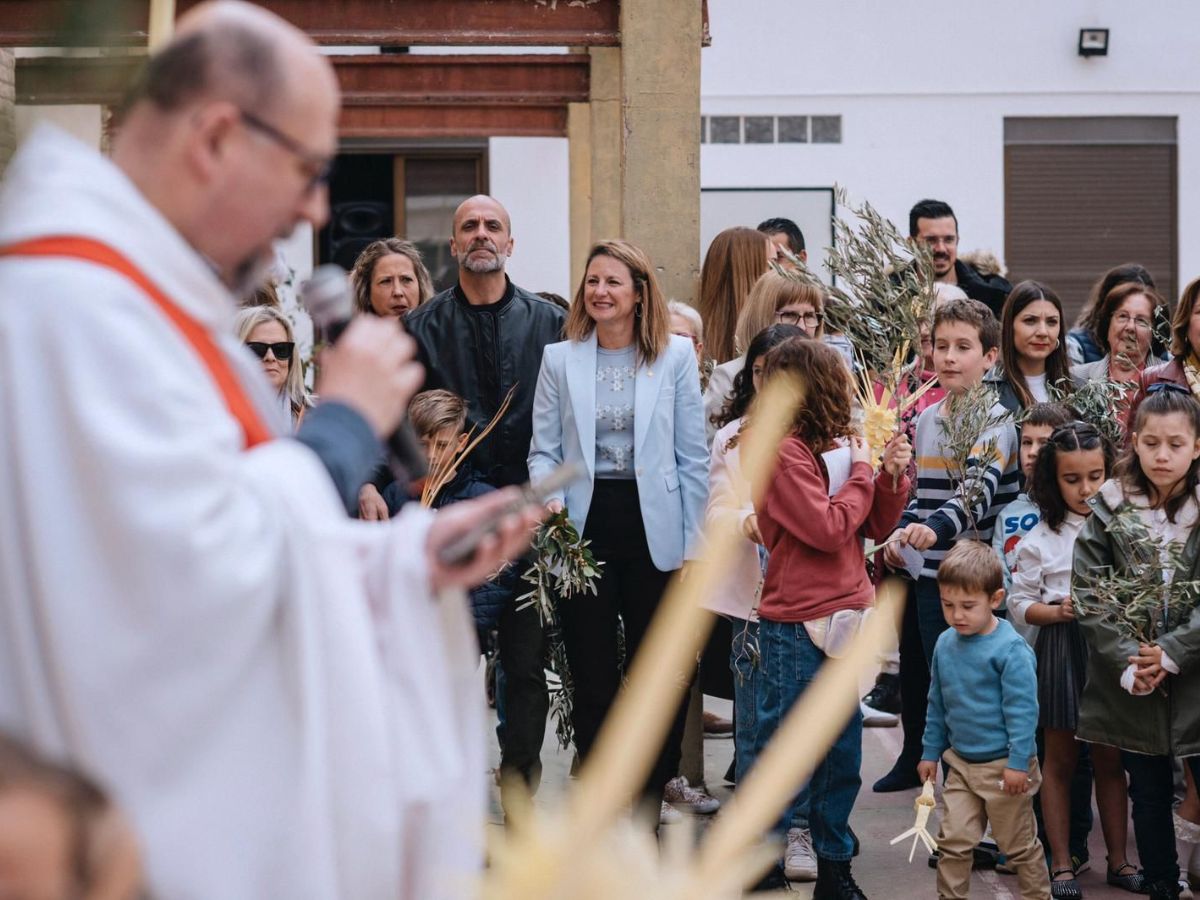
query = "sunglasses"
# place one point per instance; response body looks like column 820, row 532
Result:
column 281, row 349
column 1167, row 387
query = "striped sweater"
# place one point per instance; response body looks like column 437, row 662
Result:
column 936, row 503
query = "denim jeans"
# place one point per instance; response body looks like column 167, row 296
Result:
column 789, row 663
column 745, row 665
column 1152, row 798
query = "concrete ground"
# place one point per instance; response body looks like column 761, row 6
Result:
column 882, row 870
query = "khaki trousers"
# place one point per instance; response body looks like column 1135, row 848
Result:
column 972, row 797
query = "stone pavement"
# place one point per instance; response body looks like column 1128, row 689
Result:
column 883, row 871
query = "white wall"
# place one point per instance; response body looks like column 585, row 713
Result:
column 923, row 92
column 530, row 176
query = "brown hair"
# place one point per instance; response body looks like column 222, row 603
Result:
column 973, row 313
column 1181, row 348
column 1112, row 301
column 734, row 261
column 824, row 412
column 652, row 328
column 431, row 411
column 364, row 270
column 771, row 293
column 973, row 567
column 1128, row 273
column 1168, row 399
column 1058, row 370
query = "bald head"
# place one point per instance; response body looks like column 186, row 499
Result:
column 482, row 204
column 234, row 51
column 482, row 239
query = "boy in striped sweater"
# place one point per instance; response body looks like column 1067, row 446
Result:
column 966, row 339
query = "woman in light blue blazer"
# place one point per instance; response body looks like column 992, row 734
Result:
column 621, row 398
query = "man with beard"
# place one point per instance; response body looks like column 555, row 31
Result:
column 480, row 339
column 934, row 223
column 279, row 696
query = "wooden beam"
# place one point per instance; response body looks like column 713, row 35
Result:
column 484, row 120
column 541, row 79
column 68, row 23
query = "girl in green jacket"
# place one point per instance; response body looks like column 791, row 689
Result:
column 1143, row 694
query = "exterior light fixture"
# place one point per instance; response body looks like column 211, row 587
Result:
column 1093, row 42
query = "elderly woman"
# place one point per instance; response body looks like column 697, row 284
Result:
column 620, row 398
column 1124, row 329
column 390, row 278
column 1081, row 342
column 686, row 322
column 268, row 332
column 775, row 299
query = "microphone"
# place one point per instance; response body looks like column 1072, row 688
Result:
column 329, row 300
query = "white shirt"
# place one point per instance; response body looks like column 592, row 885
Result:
column 1037, row 387
column 1043, row 571
column 266, row 687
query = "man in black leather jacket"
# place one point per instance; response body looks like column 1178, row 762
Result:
column 480, row 339
column 934, row 223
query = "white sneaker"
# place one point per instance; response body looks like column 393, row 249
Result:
column 799, row 860
column 669, row 815
column 682, row 795
column 876, row 718
column 1185, row 890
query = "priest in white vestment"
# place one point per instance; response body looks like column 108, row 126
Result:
column 281, row 698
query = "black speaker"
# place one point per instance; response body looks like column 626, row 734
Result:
column 353, row 225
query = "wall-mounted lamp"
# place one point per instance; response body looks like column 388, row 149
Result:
column 1093, row 42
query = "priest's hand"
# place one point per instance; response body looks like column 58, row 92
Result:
column 371, row 369
column 511, row 536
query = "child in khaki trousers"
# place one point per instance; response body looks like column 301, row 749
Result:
column 981, row 721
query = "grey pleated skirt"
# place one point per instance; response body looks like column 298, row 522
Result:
column 1061, row 670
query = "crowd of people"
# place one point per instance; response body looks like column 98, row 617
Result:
column 276, row 694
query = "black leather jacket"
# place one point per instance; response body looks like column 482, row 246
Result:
column 479, row 352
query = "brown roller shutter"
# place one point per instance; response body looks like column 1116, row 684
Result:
column 1074, row 208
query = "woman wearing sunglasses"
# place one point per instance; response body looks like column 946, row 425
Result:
column 268, row 333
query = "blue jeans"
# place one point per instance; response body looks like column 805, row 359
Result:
column 745, row 665
column 789, row 663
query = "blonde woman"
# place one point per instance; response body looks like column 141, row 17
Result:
column 390, row 278
column 775, row 299
column 268, row 332
column 620, row 398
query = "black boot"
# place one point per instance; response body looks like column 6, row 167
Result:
column 1163, row 890
column 885, row 695
column 834, row 881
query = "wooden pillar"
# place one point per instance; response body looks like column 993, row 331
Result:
column 607, row 193
column 579, row 142
column 660, row 95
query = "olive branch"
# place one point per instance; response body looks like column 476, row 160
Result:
column 563, row 566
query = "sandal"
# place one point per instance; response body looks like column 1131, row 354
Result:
column 1068, row 888
column 1128, row 878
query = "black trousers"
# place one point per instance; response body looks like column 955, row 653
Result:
column 522, row 648
column 1152, row 797
column 630, row 586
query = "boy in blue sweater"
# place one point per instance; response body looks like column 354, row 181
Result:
column 982, row 717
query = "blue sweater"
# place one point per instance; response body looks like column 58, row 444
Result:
column 983, row 697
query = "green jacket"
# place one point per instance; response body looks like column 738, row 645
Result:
column 1166, row 721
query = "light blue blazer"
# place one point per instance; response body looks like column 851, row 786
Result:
column 670, row 458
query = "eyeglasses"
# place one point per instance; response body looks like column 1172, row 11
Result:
column 811, row 319
column 281, row 349
column 318, row 168
column 1167, row 387
column 1124, row 319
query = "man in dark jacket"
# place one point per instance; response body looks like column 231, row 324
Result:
column 934, row 223
column 479, row 339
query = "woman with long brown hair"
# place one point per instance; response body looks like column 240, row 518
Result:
column 1033, row 357
column 735, row 259
column 620, row 399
